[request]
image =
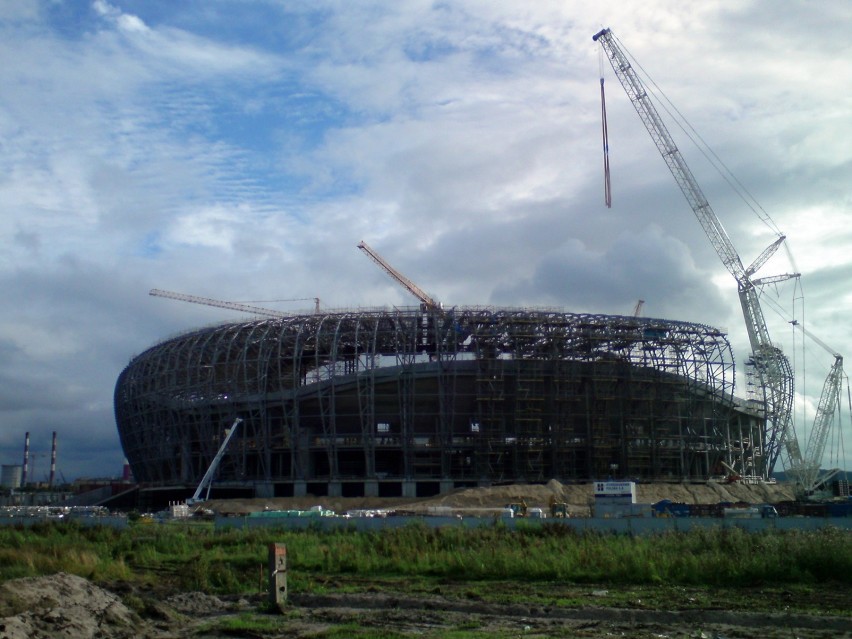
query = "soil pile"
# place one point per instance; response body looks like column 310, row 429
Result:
column 64, row 605
column 578, row 497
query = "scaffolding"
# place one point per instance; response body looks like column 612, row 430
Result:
column 468, row 396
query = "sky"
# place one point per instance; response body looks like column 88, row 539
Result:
column 239, row 150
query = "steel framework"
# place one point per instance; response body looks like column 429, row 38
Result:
column 469, row 396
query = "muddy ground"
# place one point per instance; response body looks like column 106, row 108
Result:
column 64, row 605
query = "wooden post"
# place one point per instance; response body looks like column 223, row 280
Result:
column 278, row 575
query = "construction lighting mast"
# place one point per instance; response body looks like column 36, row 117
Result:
column 774, row 372
column 410, row 286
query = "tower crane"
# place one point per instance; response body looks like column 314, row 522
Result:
column 773, row 368
column 428, row 302
column 234, row 306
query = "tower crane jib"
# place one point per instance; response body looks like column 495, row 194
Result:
column 407, row 284
column 234, row 306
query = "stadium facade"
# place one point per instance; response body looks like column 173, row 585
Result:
column 416, row 401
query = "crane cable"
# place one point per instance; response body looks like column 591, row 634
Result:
column 607, row 186
column 706, row 150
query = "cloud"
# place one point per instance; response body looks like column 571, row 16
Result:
column 241, row 150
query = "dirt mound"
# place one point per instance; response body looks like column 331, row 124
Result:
column 64, row 605
column 579, row 498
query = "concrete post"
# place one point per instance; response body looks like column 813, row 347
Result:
column 278, row 575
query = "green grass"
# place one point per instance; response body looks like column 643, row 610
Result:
column 248, row 624
column 233, row 561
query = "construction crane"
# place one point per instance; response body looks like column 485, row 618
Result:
column 773, row 368
column 234, row 306
column 637, row 310
column 808, row 477
column 428, row 302
column 207, row 481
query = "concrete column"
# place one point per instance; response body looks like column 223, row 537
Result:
column 335, row 489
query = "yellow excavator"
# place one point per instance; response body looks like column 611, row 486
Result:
column 558, row 508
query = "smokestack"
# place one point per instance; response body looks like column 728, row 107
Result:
column 26, row 460
column 52, row 461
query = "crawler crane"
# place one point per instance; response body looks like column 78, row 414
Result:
column 775, row 375
column 207, row 481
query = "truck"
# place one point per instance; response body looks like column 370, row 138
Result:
column 764, row 511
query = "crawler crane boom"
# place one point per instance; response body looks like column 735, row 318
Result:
column 808, row 477
column 771, row 365
column 207, row 480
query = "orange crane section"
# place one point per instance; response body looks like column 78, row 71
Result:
column 398, row 277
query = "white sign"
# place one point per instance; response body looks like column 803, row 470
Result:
column 615, row 489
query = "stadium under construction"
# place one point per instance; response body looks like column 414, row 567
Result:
column 417, row 401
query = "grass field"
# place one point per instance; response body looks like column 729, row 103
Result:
column 543, row 567
column 200, row 558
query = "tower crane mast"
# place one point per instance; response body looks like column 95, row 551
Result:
column 772, row 366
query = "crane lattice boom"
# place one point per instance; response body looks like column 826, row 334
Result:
column 772, row 366
column 206, row 481
column 829, row 401
column 234, row 306
column 410, row 286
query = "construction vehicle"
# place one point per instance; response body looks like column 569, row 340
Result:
column 558, row 509
column 807, row 476
column 207, row 481
column 772, row 367
column 764, row 511
column 519, row 509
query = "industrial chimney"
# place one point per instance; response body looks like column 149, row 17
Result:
column 26, row 460
column 52, row 461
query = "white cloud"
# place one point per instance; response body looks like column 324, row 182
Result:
column 241, row 150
